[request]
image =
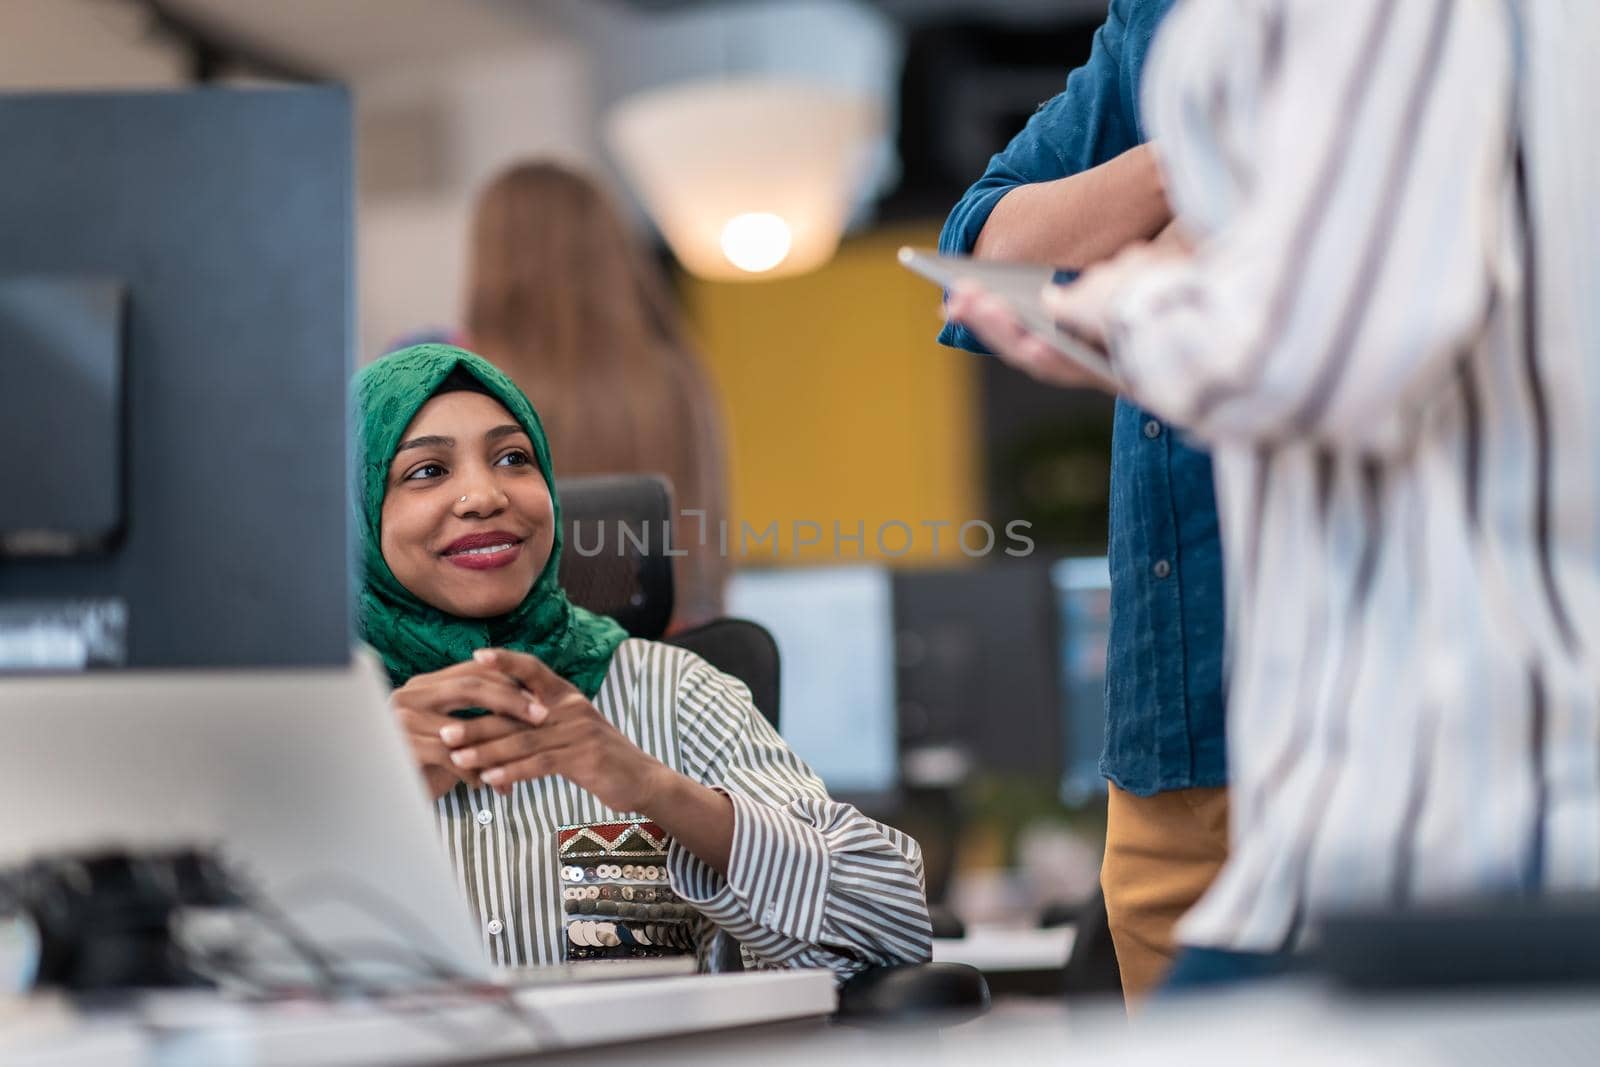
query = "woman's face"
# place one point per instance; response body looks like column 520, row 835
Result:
column 467, row 523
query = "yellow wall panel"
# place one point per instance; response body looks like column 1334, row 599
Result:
column 840, row 406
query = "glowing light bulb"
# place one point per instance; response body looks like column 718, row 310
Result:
column 756, row 241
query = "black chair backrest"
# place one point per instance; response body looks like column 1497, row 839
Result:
column 743, row 649
column 615, row 563
column 614, row 559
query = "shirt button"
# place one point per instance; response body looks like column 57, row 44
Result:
column 495, row 927
column 1152, row 429
column 1161, row 568
column 485, row 817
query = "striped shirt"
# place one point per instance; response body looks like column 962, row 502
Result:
column 811, row 882
column 1390, row 336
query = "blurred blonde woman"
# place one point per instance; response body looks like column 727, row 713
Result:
column 562, row 299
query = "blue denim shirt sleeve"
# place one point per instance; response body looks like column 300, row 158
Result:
column 1090, row 121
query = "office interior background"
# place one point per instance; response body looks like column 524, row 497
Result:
column 957, row 694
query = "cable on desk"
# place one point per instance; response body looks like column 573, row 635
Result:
column 331, row 962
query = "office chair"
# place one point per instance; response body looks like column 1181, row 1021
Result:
column 630, row 579
column 612, row 561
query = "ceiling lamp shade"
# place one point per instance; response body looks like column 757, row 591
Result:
column 747, row 178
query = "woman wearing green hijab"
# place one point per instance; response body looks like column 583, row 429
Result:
column 621, row 797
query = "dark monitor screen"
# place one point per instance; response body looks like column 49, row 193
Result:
column 175, row 338
column 62, row 340
column 977, row 658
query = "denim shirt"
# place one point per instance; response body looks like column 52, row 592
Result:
column 1164, row 692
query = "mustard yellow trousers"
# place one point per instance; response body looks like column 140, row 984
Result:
column 1162, row 852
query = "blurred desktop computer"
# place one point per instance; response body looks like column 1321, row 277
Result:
column 923, row 677
column 878, row 662
column 1083, row 600
column 835, row 632
column 175, row 342
column 880, row 666
column 976, row 671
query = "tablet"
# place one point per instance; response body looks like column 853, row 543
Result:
column 1019, row 285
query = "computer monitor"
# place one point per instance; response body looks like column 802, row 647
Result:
column 175, row 340
column 835, row 632
column 1083, row 598
column 977, row 668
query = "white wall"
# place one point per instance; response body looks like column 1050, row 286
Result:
column 82, row 44
column 428, row 139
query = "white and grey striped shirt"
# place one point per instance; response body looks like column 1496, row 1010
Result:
column 1392, row 345
column 811, row 882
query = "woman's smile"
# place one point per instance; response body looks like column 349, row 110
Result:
column 483, row 551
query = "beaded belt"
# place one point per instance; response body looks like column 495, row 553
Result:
column 615, row 895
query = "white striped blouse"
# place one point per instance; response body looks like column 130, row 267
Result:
column 1390, row 336
column 811, row 882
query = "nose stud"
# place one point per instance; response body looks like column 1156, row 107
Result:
column 463, row 500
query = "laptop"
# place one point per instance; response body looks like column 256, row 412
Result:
column 298, row 778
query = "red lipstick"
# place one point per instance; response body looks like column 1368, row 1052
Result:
column 484, row 551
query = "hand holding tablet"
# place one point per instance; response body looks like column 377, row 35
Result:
column 1002, row 303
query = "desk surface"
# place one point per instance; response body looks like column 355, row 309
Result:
column 1290, row 1023
column 198, row 1029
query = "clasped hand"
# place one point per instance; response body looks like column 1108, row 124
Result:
column 539, row 725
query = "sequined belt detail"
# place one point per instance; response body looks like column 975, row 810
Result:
column 615, row 896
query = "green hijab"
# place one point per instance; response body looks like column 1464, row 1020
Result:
column 414, row 637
